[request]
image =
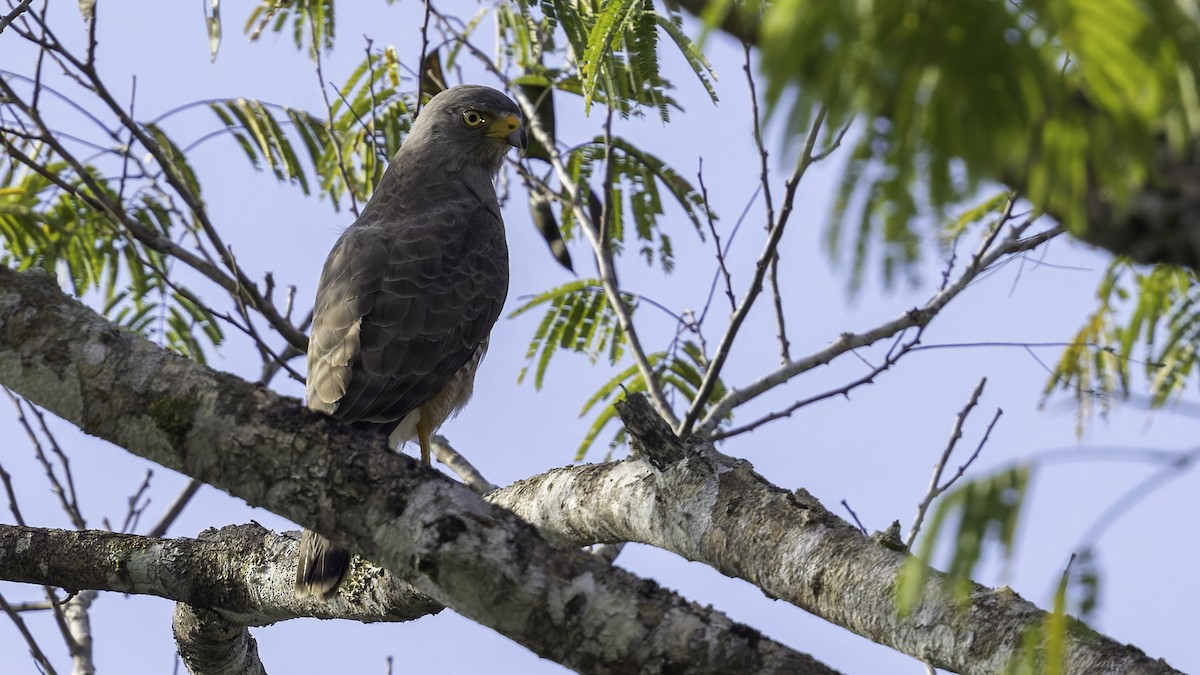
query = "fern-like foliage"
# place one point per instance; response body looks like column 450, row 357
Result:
column 679, row 372
column 580, row 319
column 348, row 152
column 311, row 22
column 1146, row 317
column 635, row 198
column 1055, row 97
column 42, row 226
column 606, row 52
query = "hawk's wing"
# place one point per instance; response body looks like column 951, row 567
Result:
column 401, row 307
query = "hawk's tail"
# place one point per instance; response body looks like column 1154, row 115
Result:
column 320, row 566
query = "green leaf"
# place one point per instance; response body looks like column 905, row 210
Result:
column 1061, row 99
column 578, row 318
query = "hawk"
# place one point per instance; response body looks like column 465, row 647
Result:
column 411, row 289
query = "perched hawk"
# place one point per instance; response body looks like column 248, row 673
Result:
column 411, row 290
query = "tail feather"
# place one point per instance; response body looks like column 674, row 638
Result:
column 320, row 566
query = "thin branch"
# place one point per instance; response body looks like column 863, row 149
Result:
column 1137, row 493
column 135, row 504
column 66, row 495
column 861, row 528
column 13, row 506
column 424, row 55
column 95, row 199
column 916, row 317
column 337, row 147
column 241, row 283
column 164, row 523
column 36, row 606
column 936, row 489
column 713, row 373
column 765, row 182
column 712, row 229
column 34, row 649
column 895, row 353
column 447, row 455
column 12, row 16
column 733, row 232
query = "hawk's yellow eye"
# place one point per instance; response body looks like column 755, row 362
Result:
column 472, row 118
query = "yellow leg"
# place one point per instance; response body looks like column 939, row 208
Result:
column 423, row 433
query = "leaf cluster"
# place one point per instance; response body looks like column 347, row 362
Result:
column 579, row 318
column 346, row 153
column 1146, row 317
column 44, row 226
column 1054, row 97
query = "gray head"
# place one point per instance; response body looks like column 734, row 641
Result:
column 471, row 122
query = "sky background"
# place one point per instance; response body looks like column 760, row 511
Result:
column 875, row 450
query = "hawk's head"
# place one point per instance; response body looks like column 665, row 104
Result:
column 471, row 122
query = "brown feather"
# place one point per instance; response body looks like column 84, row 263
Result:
column 410, row 291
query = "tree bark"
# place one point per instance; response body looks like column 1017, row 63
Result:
column 689, row 499
column 710, row 508
column 244, row 571
column 344, row 483
column 210, row 644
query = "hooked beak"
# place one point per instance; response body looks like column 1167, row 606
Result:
column 518, row 139
column 510, row 130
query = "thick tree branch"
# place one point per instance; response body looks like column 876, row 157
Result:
column 243, row 571
column 715, row 509
column 343, row 482
column 211, row 644
column 697, row 503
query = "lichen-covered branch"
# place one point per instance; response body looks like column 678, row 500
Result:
column 344, row 483
column 245, row 572
column 714, row 509
column 210, row 644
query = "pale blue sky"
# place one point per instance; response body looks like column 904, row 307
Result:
column 874, row 450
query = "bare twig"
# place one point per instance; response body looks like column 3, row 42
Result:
column 424, row 54
column 898, row 350
column 936, row 487
column 136, row 506
column 95, row 198
column 712, row 374
column 34, row 649
column 37, row 606
column 447, row 455
column 765, row 182
column 861, row 528
column 13, row 506
column 12, row 16
column 66, row 495
column 337, row 147
column 164, row 523
column 737, row 226
column 241, row 284
column 847, row 342
column 1137, row 493
column 712, row 229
